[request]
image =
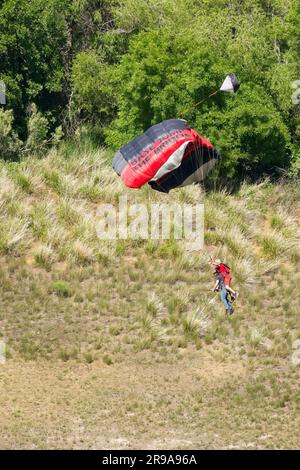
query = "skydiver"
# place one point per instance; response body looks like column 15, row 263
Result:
column 220, row 286
column 225, row 272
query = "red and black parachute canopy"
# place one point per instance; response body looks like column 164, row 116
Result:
column 167, row 156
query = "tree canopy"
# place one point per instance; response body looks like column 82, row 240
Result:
column 117, row 67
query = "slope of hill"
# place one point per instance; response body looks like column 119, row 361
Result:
column 123, row 344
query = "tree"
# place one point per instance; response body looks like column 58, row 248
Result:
column 92, row 100
column 166, row 72
column 37, row 132
column 10, row 145
column 32, row 40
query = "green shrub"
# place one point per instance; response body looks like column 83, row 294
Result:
column 10, row 145
column 38, row 127
column 61, row 288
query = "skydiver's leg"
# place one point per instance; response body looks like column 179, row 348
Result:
column 230, row 310
column 224, row 299
column 232, row 292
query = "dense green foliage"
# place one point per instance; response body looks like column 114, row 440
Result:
column 113, row 68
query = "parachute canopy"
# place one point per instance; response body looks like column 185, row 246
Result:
column 167, row 156
column 230, row 84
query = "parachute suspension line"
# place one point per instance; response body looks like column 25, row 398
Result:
column 231, row 84
column 205, row 99
column 195, row 105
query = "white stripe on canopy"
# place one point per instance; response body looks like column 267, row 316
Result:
column 172, row 163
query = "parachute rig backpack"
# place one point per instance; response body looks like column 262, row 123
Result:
column 224, row 269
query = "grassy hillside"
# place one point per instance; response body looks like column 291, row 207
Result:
column 123, row 345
